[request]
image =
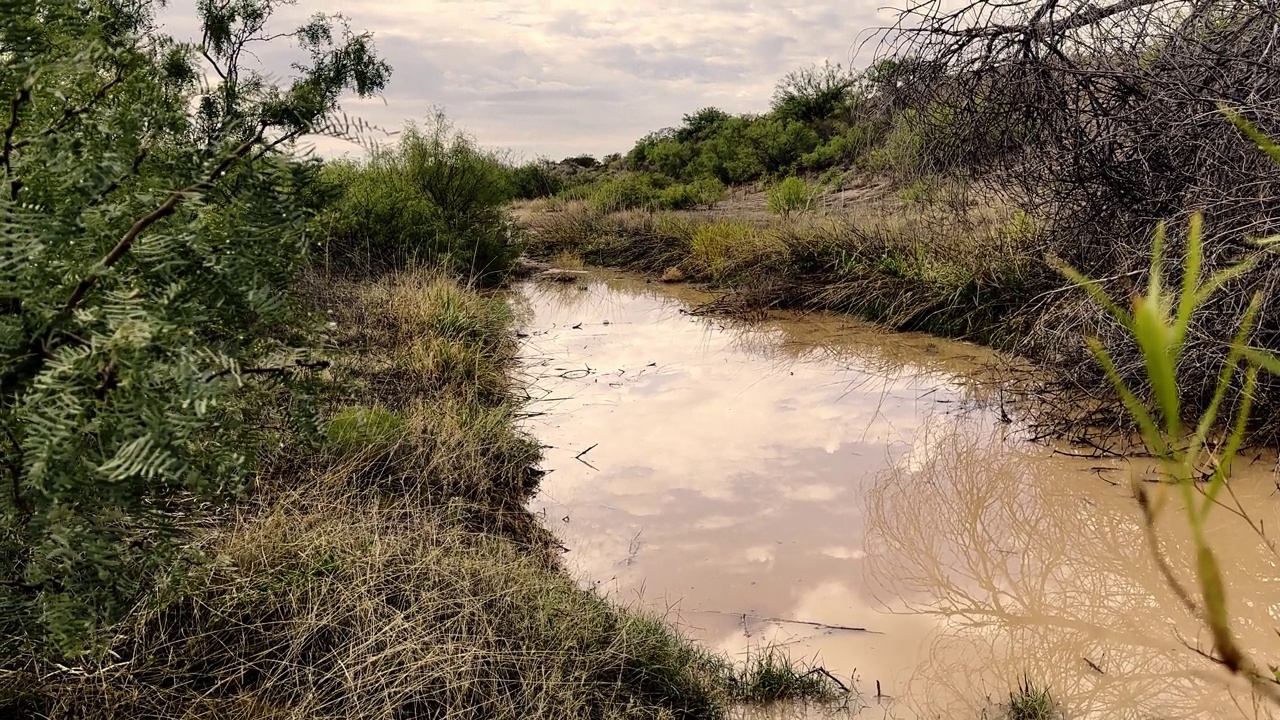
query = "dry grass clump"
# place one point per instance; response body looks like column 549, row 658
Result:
column 673, row 275
column 423, row 402
column 568, row 261
column 430, row 336
column 369, row 610
column 637, row 239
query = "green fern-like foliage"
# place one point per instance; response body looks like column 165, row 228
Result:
column 146, row 258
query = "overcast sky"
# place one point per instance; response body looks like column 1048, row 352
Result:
column 560, row 77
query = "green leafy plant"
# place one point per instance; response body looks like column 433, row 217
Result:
column 145, row 271
column 790, row 196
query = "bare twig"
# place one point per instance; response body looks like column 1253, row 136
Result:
column 824, row 672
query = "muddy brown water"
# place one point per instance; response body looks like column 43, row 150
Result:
column 851, row 495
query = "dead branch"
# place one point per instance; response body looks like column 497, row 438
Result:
column 22, row 97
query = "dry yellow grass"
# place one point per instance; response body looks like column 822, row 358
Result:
column 673, row 275
column 568, row 261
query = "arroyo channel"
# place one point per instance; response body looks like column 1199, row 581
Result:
column 853, row 496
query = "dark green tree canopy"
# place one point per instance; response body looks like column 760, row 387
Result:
column 814, row 93
column 701, row 124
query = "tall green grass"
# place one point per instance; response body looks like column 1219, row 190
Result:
column 790, row 196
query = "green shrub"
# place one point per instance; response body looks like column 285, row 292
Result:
column 433, row 199
column 677, row 197
column 829, row 154
column 901, row 152
column 582, row 191
column 534, row 180
column 834, row 178
column 586, row 162
column 732, row 150
column 847, row 147
column 671, row 158
column 703, row 192
column 709, row 191
column 814, row 93
column 790, row 196
column 922, row 191
column 638, row 158
column 701, row 125
column 626, row 192
column 778, row 145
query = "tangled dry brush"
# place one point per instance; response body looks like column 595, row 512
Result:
column 1102, row 120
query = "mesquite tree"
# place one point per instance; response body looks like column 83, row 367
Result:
column 146, row 256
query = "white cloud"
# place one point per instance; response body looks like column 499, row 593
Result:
column 558, row 77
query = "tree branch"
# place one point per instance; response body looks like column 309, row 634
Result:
column 134, row 169
column 165, row 209
column 214, row 63
column 1039, row 28
column 275, row 144
column 297, row 365
column 28, row 362
column 204, row 50
column 6, row 154
column 71, row 113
